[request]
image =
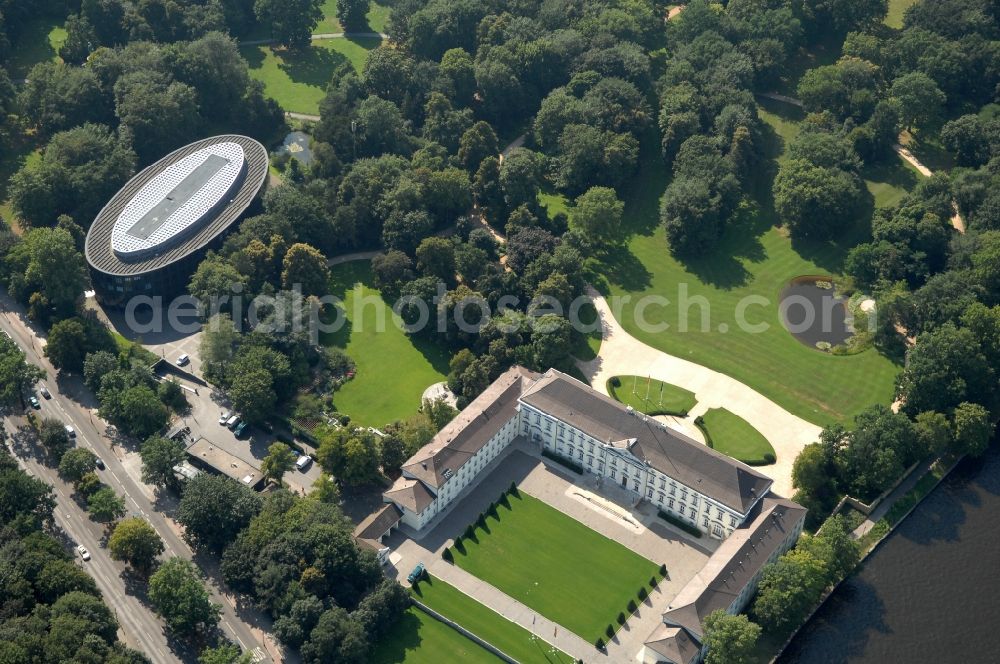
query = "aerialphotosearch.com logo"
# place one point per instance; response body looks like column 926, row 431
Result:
column 289, row 312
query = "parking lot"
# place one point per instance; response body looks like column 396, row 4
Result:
column 207, row 407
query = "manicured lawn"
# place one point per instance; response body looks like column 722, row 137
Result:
column 393, row 368
column 653, row 397
column 754, row 259
column 40, row 41
column 894, row 19
column 297, row 81
column 419, row 639
column 733, row 436
column 555, row 565
column 377, row 17
column 486, row 623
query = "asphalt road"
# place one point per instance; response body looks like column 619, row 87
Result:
column 242, row 624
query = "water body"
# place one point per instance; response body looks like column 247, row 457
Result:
column 814, row 314
column 929, row 593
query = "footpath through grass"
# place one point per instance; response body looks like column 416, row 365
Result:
column 393, row 368
column 297, row 80
column 555, row 565
column 419, row 639
column 733, row 436
column 651, row 396
column 486, row 623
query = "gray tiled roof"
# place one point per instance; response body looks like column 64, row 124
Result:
column 674, row 643
column 730, row 482
column 378, row 522
column 410, row 493
column 471, row 429
column 734, row 563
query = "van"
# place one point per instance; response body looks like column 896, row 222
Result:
column 183, row 359
column 303, row 462
column 233, row 421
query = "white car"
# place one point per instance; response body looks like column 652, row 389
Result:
column 83, row 552
column 70, row 431
column 303, row 462
column 183, row 359
column 224, row 417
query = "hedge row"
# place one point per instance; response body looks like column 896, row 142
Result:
column 683, row 525
column 569, row 463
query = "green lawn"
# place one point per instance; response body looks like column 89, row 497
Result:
column 378, row 15
column 555, row 565
column 754, row 259
column 894, row 19
column 297, row 81
column 486, row 623
column 653, row 397
column 419, row 639
column 39, row 41
column 733, row 436
column 393, row 369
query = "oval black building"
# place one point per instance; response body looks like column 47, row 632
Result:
column 152, row 234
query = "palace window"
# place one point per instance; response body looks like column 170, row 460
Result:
column 673, row 490
column 663, row 483
column 718, row 511
column 649, row 492
column 684, row 494
column 692, row 513
column 660, row 497
column 670, row 503
column 732, row 521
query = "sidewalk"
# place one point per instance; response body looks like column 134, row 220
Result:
column 890, row 500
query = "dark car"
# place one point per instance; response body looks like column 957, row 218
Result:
column 416, row 574
column 240, row 428
column 45, row 392
column 34, row 403
column 99, row 463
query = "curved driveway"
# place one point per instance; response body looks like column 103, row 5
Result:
column 623, row 354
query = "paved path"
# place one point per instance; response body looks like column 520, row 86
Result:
column 356, row 256
column 883, row 507
column 319, row 37
column 302, row 116
column 956, row 219
column 623, row 354
column 675, row 11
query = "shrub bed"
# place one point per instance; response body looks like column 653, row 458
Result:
column 683, row 525
column 563, row 461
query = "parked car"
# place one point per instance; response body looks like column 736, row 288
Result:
column 70, row 431
column 224, row 417
column 45, row 392
column 232, row 422
column 99, row 463
column 240, row 428
column 416, row 574
column 34, row 402
column 303, row 462
column 183, row 359
column 83, row 552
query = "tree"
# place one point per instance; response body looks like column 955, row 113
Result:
column 382, row 608
column 105, row 505
column 16, row 375
column 214, row 509
column 158, row 116
column 876, row 452
column 252, row 394
column 970, row 139
column 350, row 456
column 325, row 490
column 53, row 436
column 279, row 460
column 177, row 592
column 291, row 21
column 933, row 432
column 597, row 214
column 76, row 463
column 305, row 267
column 919, row 98
column 788, row 589
column 47, row 273
column 353, row 14
column 135, row 542
column 814, row 201
column 141, row 413
column 217, row 345
column 57, row 96
column 172, row 395
column 96, row 365
column 730, row 639
column 945, row 368
column 436, row 258
column 973, row 429
column 691, row 215
column 227, row 653
column 337, row 636
column 393, row 453
column 66, row 346
column 159, row 456
column 477, row 143
column 214, row 279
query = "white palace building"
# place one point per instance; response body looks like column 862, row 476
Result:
column 723, row 498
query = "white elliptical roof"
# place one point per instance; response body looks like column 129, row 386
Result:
column 175, row 201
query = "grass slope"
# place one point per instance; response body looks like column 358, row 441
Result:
column 39, row 41
column 485, row 623
column 897, row 8
column 419, row 639
column 755, row 259
column 393, row 369
column 555, row 565
column 735, row 437
column 297, row 81
column 664, row 398
column 378, row 15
